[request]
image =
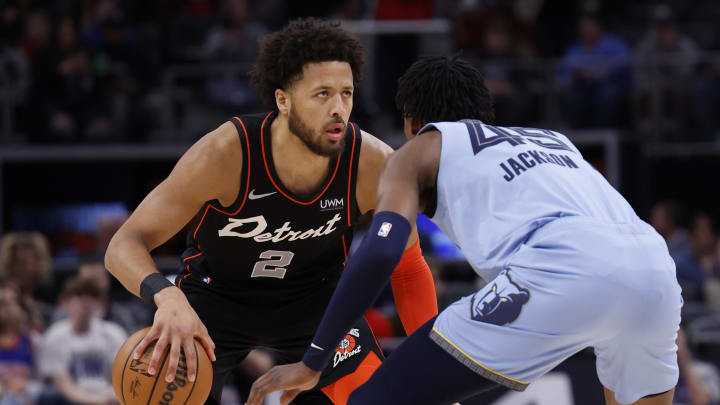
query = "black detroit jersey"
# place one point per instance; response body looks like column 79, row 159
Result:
column 271, row 243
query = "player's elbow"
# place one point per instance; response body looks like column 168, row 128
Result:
column 111, row 253
column 117, row 248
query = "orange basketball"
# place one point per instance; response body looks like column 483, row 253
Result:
column 134, row 386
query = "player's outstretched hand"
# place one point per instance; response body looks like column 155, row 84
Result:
column 175, row 324
column 293, row 378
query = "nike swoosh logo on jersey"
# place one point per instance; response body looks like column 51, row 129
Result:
column 314, row 346
column 254, row 196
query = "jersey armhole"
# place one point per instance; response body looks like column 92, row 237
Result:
column 244, row 180
column 353, row 206
column 428, row 127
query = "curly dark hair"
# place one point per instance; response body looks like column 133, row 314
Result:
column 444, row 89
column 284, row 53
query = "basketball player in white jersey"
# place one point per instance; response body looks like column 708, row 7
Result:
column 569, row 264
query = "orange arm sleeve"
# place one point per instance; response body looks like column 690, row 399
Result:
column 414, row 289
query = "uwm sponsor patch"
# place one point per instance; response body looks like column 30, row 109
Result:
column 180, row 382
column 347, row 348
column 330, row 204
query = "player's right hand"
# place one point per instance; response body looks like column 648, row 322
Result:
column 176, row 324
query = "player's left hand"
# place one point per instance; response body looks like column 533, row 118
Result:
column 293, row 378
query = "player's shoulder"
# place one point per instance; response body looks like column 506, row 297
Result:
column 373, row 155
column 427, row 138
column 216, row 149
column 373, row 150
column 221, row 139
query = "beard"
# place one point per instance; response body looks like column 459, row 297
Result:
column 315, row 144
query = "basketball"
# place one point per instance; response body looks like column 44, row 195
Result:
column 134, row 386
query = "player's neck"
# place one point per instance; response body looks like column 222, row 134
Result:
column 301, row 170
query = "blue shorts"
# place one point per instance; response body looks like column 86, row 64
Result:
column 574, row 284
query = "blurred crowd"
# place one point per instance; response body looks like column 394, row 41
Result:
column 125, row 70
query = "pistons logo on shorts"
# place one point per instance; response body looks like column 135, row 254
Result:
column 347, row 347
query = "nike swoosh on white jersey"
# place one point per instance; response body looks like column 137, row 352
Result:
column 314, row 346
column 254, row 196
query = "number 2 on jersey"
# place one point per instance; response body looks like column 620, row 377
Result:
column 274, row 266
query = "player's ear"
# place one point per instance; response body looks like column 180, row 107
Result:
column 416, row 125
column 282, row 100
column 411, row 127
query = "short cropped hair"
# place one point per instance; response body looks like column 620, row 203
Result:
column 444, row 89
column 81, row 287
column 284, row 53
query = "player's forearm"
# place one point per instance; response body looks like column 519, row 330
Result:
column 129, row 260
column 365, row 275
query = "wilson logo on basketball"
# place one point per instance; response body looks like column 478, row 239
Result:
column 139, row 367
column 179, row 382
column 347, row 348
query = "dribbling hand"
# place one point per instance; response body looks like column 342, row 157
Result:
column 175, row 324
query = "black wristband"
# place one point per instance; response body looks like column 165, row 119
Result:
column 151, row 285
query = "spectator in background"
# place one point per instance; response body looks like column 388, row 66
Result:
column 394, row 53
column 233, row 40
column 16, row 353
column 665, row 61
column 666, row 217
column 595, row 75
column 124, row 69
column 75, row 86
column 77, row 353
column 501, row 55
column 131, row 315
column 691, row 388
column 36, row 46
column 696, row 266
column 25, row 263
column 664, row 49
column 14, row 67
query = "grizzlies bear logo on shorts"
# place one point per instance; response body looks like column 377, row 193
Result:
column 500, row 301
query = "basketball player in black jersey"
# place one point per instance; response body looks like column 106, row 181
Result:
column 275, row 197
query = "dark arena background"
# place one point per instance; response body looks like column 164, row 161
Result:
column 99, row 98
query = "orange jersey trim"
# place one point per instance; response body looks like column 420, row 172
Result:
column 189, row 273
column 352, row 156
column 267, row 169
column 192, row 257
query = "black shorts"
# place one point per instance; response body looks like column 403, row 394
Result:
column 284, row 329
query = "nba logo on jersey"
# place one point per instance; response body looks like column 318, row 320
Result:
column 385, row 229
column 207, row 280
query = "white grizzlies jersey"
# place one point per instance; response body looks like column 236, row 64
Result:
column 496, row 185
